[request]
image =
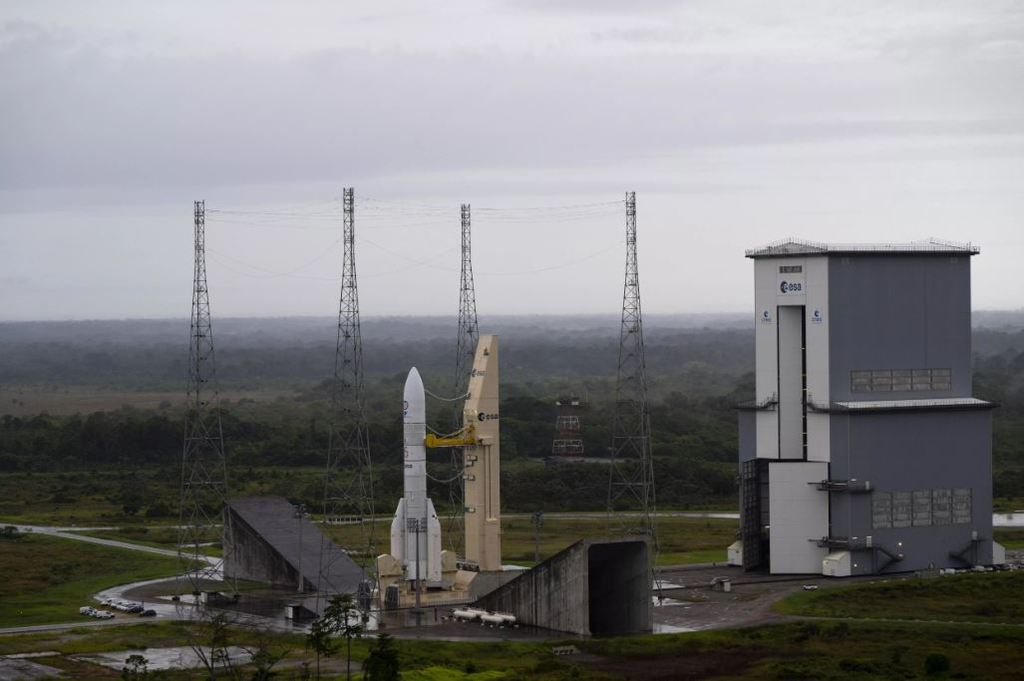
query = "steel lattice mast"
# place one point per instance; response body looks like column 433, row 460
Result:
column 348, row 488
column 469, row 331
column 204, row 475
column 465, row 345
column 631, row 477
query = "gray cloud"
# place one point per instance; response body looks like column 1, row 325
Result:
column 736, row 122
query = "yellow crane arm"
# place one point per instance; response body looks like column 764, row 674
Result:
column 463, row 438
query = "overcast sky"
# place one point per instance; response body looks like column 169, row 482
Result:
column 735, row 122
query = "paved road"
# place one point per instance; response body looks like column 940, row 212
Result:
column 39, row 628
column 73, row 533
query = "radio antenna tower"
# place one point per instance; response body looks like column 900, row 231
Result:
column 204, row 473
column 631, row 477
column 468, row 335
column 348, row 488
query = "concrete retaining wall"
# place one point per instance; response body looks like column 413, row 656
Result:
column 589, row 588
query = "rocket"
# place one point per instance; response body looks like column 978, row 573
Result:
column 416, row 530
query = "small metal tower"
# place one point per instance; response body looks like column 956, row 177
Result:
column 348, row 484
column 631, row 476
column 567, row 441
column 204, row 475
column 466, row 340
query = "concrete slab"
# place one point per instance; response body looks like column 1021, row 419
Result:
column 20, row 669
column 179, row 657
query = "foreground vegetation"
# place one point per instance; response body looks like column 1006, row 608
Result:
column 46, row 579
column 810, row 650
column 973, row 597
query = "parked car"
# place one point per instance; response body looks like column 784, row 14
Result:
column 104, row 614
column 86, row 610
column 147, row 613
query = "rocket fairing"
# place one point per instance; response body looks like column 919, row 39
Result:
column 416, row 530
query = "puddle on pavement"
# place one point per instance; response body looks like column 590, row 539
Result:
column 660, row 602
column 665, row 584
column 670, row 629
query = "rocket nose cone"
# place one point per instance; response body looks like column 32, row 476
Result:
column 413, row 381
column 415, row 408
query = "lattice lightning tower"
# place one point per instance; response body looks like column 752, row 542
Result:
column 469, row 331
column 348, row 489
column 204, row 475
column 466, row 340
column 631, row 478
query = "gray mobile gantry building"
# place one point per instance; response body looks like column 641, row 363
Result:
column 864, row 450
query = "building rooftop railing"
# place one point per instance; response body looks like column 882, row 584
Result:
column 793, row 246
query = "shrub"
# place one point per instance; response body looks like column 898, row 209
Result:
column 10, row 532
column 936, row 663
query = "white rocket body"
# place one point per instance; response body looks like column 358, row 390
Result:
column 406, row 543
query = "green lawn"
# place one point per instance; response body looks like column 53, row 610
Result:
column 46, row 579
column 683, row 540
column 972, row 597
column 1009, row 537
column 158, row 536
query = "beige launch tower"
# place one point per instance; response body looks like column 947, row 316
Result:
column 481, row 468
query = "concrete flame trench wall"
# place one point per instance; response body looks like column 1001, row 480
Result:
column 590, row 588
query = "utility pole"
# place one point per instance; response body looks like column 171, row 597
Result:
column 465, row 345
column 631, row 473
column 204, row 473
column 300, row 513
column 348, row 482
column 538, row 522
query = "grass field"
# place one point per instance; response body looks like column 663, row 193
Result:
column 683, row 540
column 157, row 536
column 46, row 579
column 1009, row 537
column 996, row 597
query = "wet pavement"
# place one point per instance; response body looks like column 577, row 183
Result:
column 180, row 657
column 15, row 668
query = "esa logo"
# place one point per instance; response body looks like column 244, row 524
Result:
column 791, row 287
column 486, row 417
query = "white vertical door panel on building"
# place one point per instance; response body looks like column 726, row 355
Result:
column 816, row 344
column 798, row 514
column 791, row 381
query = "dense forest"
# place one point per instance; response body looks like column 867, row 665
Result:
column 699, row 368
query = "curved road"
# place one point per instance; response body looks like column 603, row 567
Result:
column 73, row 533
